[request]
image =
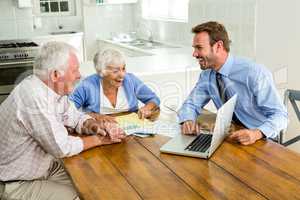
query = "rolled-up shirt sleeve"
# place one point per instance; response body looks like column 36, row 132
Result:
column 51, row 134
column 143, row 92
column 75, row 118
column 270, row 105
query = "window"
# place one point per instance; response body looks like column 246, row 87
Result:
column 55, row 7
column 166, row 10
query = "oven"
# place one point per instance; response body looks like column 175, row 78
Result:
column 11, row 73
column 16, row 62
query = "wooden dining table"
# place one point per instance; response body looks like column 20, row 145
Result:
column 136, row 169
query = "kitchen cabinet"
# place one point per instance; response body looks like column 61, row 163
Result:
column 74, row 39
column 24, row 3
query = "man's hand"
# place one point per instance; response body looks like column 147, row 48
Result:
column 93, row 127
column 190, row 127
column 246, row 136
column 107, row 140
column 150, row 111
column 97, row 140
column 103, row 118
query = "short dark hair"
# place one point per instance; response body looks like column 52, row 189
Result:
column 216, row 32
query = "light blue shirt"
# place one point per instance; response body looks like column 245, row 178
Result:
column 258, row 104
column 87, row 93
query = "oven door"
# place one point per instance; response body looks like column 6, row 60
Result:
column 12, row 73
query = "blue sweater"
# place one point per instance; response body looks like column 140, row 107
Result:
column 87, row 93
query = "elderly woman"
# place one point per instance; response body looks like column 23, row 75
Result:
column 113, row 90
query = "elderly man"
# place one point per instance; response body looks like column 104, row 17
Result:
column 33, row 121
column 258, row 107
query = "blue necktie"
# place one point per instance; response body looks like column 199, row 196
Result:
column 223, row 95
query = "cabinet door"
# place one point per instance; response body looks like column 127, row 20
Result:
column 76, row 41
column 120, row 1
column 24, row 3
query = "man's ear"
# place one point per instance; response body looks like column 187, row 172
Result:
column 55, row 76
column 219, row 45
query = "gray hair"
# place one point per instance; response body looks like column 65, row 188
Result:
column 52, row 56
column 106, row 57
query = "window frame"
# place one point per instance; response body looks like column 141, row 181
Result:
column 71, row 12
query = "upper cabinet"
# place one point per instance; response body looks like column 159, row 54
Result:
column 24, row 3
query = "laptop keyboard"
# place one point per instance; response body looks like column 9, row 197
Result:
column 200, row 144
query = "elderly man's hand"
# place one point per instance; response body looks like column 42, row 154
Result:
column 108, row 140
column 93, row 127
column 190, row 127
column 246, row 136
column 114, row 131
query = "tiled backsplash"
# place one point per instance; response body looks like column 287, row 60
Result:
column 17, row 23
column 104, row 20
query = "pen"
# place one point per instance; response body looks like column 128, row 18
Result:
column 168, row 107
column 142, row 133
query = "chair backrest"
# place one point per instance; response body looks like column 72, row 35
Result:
column 292, row 96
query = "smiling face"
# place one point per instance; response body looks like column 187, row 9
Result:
column 114, row 75
column 204, row 52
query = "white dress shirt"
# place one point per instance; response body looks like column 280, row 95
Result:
column 32, row 130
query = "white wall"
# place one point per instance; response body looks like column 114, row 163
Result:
column 277, row 38
column 17, row 23
column 103, row 20
column 237, row 15
column 278, row 47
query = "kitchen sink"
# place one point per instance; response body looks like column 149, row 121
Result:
column 63, row 32
column 148, row 45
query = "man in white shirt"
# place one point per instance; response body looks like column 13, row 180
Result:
column 33, row 122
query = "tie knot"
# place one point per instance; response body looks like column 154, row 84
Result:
column 218, row 75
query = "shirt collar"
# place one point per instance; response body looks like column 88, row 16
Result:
column 226, row 68
column 49, row 93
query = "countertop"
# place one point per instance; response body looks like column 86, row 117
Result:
column 58, row 35
column 164, row 60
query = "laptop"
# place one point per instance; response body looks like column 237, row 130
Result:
column 204, row 144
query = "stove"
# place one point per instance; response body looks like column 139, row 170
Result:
column 17, row 49
column 16, row 62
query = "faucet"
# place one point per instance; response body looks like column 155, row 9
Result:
column 148, row 30
column 150, row 37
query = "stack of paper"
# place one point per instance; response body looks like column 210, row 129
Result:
column 131, row 124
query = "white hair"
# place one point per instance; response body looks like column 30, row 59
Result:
column 52, row 56
column 106, row 57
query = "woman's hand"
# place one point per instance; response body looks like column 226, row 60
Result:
column 150, row 111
